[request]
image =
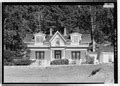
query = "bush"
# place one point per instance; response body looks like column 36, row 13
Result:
column 9, row 55
column 60, row 62
column 89, row 60
column 22, row 62
column 8, row 63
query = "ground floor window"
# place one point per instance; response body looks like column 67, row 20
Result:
column 40, row 55
column 75, row 55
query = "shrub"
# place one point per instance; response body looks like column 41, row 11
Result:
column 89, row 60
column 60, row 62
column 8, row 63
column 22, row 62
column 9, row 55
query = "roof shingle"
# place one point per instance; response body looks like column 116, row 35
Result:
column 86, row 38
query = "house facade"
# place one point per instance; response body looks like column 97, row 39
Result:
column 50, row 47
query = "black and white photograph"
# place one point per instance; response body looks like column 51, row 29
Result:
column 59, row 42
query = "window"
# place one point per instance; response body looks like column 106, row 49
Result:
column 76, row 39
column 58, row 42
column 39, row 39
column 75, row 55
column 40, row 55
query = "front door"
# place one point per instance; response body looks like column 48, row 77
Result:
column 57, row 54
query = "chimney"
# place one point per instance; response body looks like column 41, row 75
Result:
column 65, row 32
column 50, row 31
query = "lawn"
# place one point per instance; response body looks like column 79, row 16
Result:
column 68, row 74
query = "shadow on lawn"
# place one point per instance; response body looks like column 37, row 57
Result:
column 94, row 72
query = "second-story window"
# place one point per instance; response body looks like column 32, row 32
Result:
column 57, row 42
column 76, row 39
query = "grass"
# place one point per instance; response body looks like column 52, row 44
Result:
column 68, row 74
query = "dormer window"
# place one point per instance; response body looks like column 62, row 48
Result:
column 75, row 38
column 39, row 38
column 58, row 42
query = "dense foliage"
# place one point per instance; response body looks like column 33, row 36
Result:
column 89, row 59
column 9, row 56
column 22, row 62
column 22, row 19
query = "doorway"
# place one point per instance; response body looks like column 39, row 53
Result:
column 57, row 54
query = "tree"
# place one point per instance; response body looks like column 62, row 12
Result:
column 22, row 19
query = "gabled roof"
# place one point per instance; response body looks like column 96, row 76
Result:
column 86, row 38
column 48, row 38
column 66, row 38
column 55, row 35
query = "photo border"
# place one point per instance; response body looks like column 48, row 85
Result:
column 65, row 3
